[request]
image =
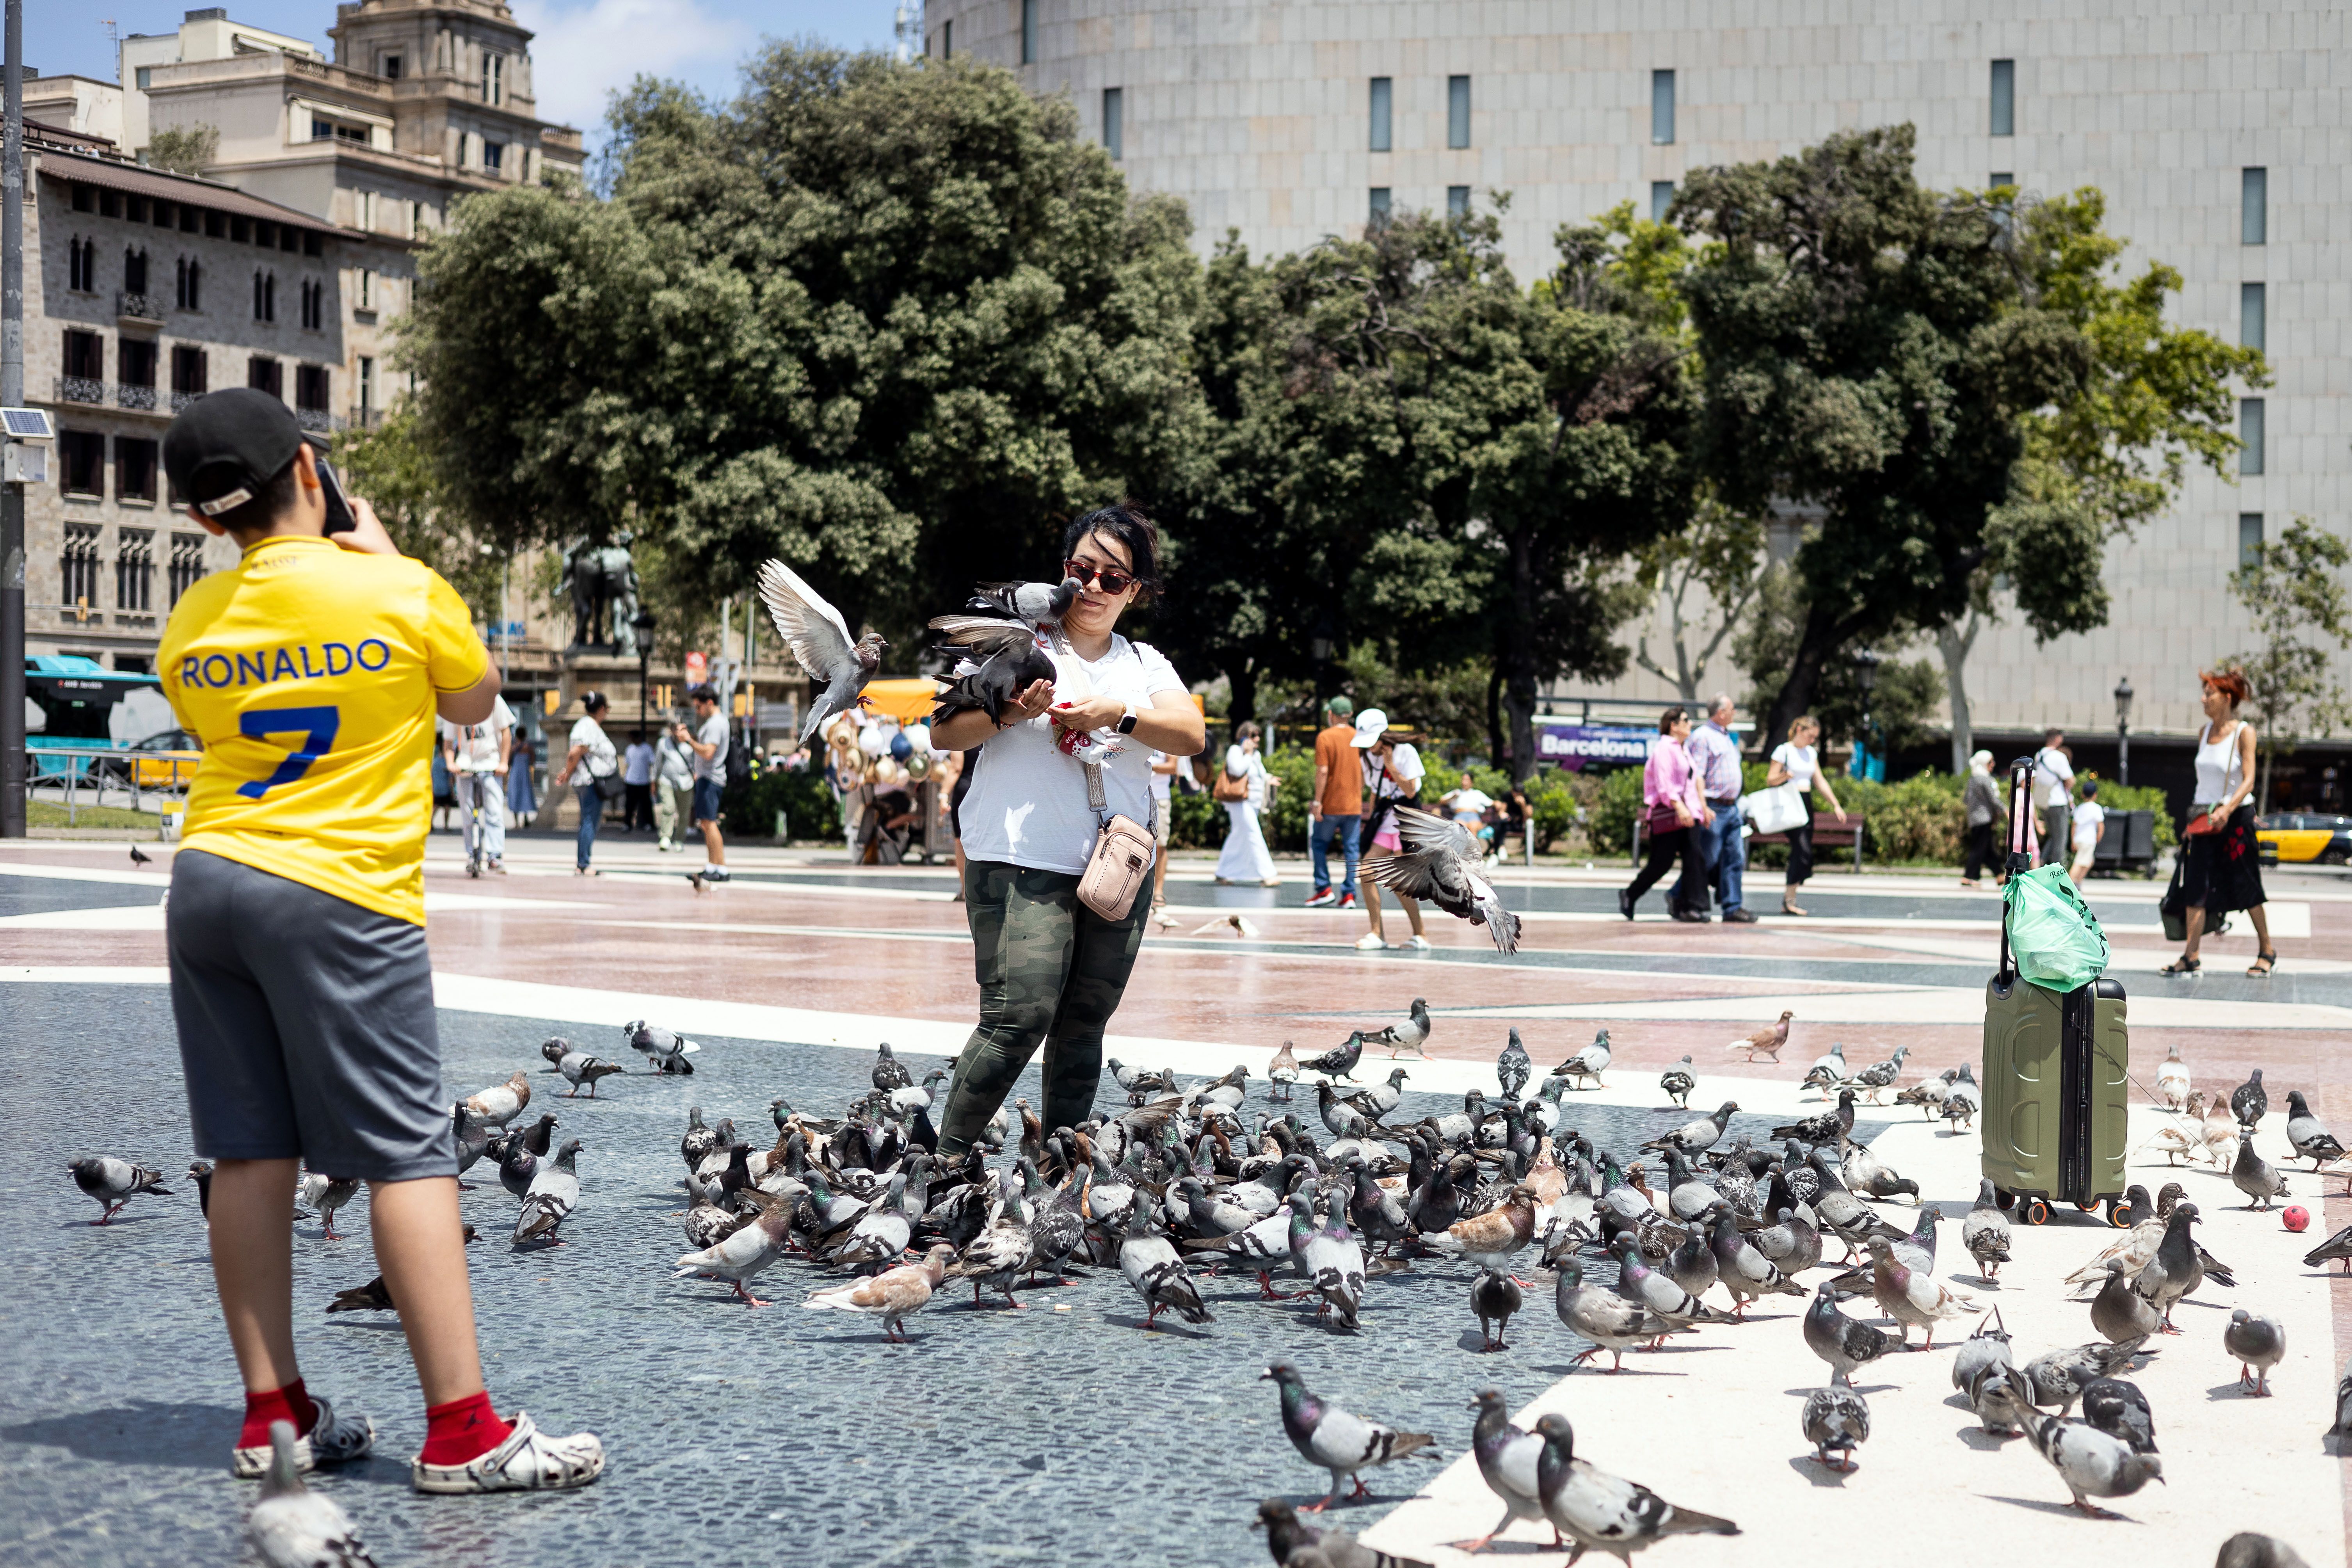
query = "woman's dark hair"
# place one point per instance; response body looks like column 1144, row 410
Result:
column 1245, row 731
column 593, row 703
column 1670, row 717
column 1125, row 521
column 272, row 502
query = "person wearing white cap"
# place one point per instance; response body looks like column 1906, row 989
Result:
column 1393, row 773
column 1981, row 802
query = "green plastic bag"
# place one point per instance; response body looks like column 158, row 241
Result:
column 2053, row 938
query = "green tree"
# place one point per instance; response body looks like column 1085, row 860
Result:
column 2295, row 591
column 1700, row 583
column 184, row 150
column 397, row 474
column 1900, row 704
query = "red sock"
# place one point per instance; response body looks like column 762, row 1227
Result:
column 291, row 1403
column 462, row 1431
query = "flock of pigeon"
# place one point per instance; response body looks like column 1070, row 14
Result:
column 1187, row 1180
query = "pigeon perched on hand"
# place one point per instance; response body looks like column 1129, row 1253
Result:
column 113, row 1183
column 1765, row 1042
column 821, row 642
column 1332, row 1440
column 294, row 1527
column 1443, row 865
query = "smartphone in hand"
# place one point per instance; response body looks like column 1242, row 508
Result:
column 339, row 511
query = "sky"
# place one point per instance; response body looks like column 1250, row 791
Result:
column 583, row 50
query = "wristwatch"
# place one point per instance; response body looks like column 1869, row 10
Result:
column 1127, row 722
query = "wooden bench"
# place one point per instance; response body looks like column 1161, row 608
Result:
column 1829, row 834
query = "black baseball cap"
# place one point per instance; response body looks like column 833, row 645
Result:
column 226, row 446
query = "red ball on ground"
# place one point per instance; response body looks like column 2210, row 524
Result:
column 2296, row 1217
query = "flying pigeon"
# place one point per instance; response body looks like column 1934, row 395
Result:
column 113, row 1183
column 2307, row 1135
column 1442, row 863
column 1240, row 925
column 1332, row 1440
column 1494, row 1296
column 294, row 1527
column 895, row 1294
column 1408, row 1036
column 1603, row 1512
column 501, row 1103
column 555, row 1194
column 1835, row 1418
column 820, row 641
column 2172, row 1077
column 2089, row 1461
column 1765, row 1042
column 1984, row 1231
column 2259, row 1344
column 1157, row 1271
column 1513, row 1067
column 1678, row 1082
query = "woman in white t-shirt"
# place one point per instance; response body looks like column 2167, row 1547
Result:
column 590, row 761
column 1045, row 961
column 1392, row 773
column 1245, row 857
column 1797, row 762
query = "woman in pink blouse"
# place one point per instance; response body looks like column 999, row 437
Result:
column 1672, row 806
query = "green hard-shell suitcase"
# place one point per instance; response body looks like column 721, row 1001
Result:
column 2055, row 1121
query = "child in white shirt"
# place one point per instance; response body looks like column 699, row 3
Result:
column 2090, row 826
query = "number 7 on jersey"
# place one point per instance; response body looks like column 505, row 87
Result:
column 316, row 725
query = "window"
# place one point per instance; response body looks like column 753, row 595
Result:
column 310, row 388
column 363, row 210
column 1028, row 32
column 134, row 479
column 146, row 74
column 134, row 271
column 1379, row 205
column 187, row 562
column 314, row 305
column 134, row 554
column 110, row 204
column 134, row 365
column 264, row 374
column 1380, row 114
column 1457, row 111
column 82, row 463
column 191, row 220
column 188, row 374
column 1998, row 178
column 85, row 200
column 1662, row 108
column 494, row 78
column 2254, row 206
column 81, row 264
column 265, row 295
column 163, row 218
column 2250, row 539
column 216, row 226
column 1457, row 201
column 189, row 292
column 77, row 561
column 85, row 361
column 366, row 292
column 1662, row 196
column 264, row 235
column 1114, row 112
column 2252, row 329
column 2004, row 98
column 390, row 70
column 494, row 155
column 367, row 388
column 312, row 243
column 2250, row 434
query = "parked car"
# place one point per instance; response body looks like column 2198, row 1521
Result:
column 2300, row 838
column 167, row 761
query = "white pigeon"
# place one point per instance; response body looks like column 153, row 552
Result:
column 2091, row 1463
column 2172, row 1079
column 501, row 1103
column 1587, row 1064
column 1507, row 1459
column 820, row 641
column 742, row 1255
column 1829, row 1069
column 293, row 1526
column 1408, row 1034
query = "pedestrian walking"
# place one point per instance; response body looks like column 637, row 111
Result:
column 593, row 769
column 2090, row 826
column 1471, row 809
column 1245, row 857
column 1673, row 812
column 478, row 757
column 2053, row 790
column 300, row 981
column 1980, row 802
column 522, row 789
column 2220, row 867
column 1163, row 782
column 1393, row 773
column 707, row 739
column 1722, row 842
column 1335, row 810
column 1798, row 761
column 1046, row 962
column 673, row 789
column 638, row 779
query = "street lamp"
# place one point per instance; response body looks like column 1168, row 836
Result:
column 2123, row 731
column 1865, row 674
column 642, row 623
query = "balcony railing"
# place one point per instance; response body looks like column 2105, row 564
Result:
column 139, row 307
column 181, row 399
column 128, row 396
column 319, row 419
column 80, row 389
column 364, row 418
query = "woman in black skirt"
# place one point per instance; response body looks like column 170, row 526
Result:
column 2220, row 869
column 1798, row 761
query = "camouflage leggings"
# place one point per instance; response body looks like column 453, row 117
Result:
column 1050, row 972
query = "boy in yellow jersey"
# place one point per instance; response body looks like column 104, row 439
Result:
column 300, row 983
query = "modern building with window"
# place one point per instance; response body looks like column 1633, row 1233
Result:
column 2213, row 132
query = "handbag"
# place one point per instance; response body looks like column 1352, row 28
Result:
column 1120, row 863
column 1774, row 810
column 1229, row 788
column 611, row 786
column 2201, row 823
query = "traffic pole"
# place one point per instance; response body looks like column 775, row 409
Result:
column 12, row 395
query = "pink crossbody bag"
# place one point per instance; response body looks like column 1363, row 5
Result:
column 1124, row 848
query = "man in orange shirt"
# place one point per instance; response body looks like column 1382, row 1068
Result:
column 1336, row 806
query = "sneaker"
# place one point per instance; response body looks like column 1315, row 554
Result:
column 714, row 873
column 1739, row 917
column 329, row 1442
column 1370, row 942
column 1323, row 899
column 1418, row 943
column 1625, row 902
column 1347, row 902
column 526, row 1462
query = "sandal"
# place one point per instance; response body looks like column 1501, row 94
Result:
column 1789, row 908
column 2262, row 966
column 2184, row 964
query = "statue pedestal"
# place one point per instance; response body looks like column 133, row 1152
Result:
column 596, row 668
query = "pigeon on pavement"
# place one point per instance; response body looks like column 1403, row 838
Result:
column 2120, row 1312
column 1828, row 1071
column 2307, row 1135
column 1982, row 1352
column 2120, row 1410
column 737, row 1258
column 201, row 1172
column 294, row 1527
column 1281, row 1073
column 2058, row 1377
column 2337, row 1248
column 1292, row 1540
column 1512, row 1068
column 665, row 1050
column 1496, row 1299
column 895, row 1294
column 1874, row 1080
column 1408, row 1036
column 2172, row 1077
column 2091, row 1463
column 1340, row 1060
column 1678, row 1082
column 1334, row 1440
column 1508, row 1458
column 2259, row 1344
column 2250, row 1100
column 323, row 1195
column 1696, row 1136
column 1745, row 1272
column 820, row 641
column 2254, row 1175
column 1587, row 1064
column 1984, row 1231
column 888, row 1072
column 1611, row 1321
column 1830, row 1127
column 1910, row 1297
column 113, row 1183
column 1842, row 1341
column 1765, row 1042
column 1605, row 1512
column 1835, row 1418
column 1442, row 863
column 501, row 1103
column 578, row 1067
column 555, row 1194
column 1157, row 1271
column 2249, row 1550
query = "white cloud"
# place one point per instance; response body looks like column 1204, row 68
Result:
column 584, row 51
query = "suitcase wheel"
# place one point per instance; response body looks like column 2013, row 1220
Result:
column 2118, row 1214
column 2006, row 1200
column 2091, row 1207
column 2036, row 1212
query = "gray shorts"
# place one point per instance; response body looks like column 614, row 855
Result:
column 305, row 1027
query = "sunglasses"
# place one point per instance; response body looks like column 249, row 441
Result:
column 1113, row 580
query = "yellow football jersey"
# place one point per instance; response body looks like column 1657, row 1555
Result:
column 310, row 673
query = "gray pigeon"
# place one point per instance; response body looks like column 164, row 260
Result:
column 1332, row 1440
column 1695, row 1137
column 2249, row 1100
column 2248, row 1549
column 294, row 1527
column 665, row 1050
column 1157, row 1271
column 1841, row 1341
column 1408, row 1036
column 1293, row 1540
column 1984, row 1231
column 2337, row 1248
column 2307, row 1135
column 323, row 1195
column 555, row 1194
column 2344, row 1400
column 2259, row 1344
column 2253, row 1175
column 1835, row 1418
column 1678, row 1081
column 1443, row 865
column 1508, row 1458
column 578, row 1067
column 738, row 1256
column 471, row 1137
column 888, row 1072
column 1607, row 1320
column 2121, row 1313
column 114, row 1183
column 1513, row 1067
column 2058, row 1377
column 820, row 641
column 1606, row 1512
column 2120, row 1410
column 1496, row 1298
column 1983, row 1352
column 2091, row 1463
column 1589, row 1063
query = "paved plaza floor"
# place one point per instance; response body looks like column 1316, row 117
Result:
column 1044, row 1436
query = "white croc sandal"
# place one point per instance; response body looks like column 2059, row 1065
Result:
column 528, row 1460
column 332, row 1441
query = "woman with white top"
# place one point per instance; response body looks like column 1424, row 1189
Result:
column 1245, row 857
column 1392, row 775
column 1051, row 971
column 592, row 759
column 1796, row 760
column 2221, row 869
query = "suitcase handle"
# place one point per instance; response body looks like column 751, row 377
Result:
column 2021, row 843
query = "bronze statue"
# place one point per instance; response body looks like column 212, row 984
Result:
column 602, row 582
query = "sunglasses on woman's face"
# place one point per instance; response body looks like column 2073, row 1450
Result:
column 1112, row 579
